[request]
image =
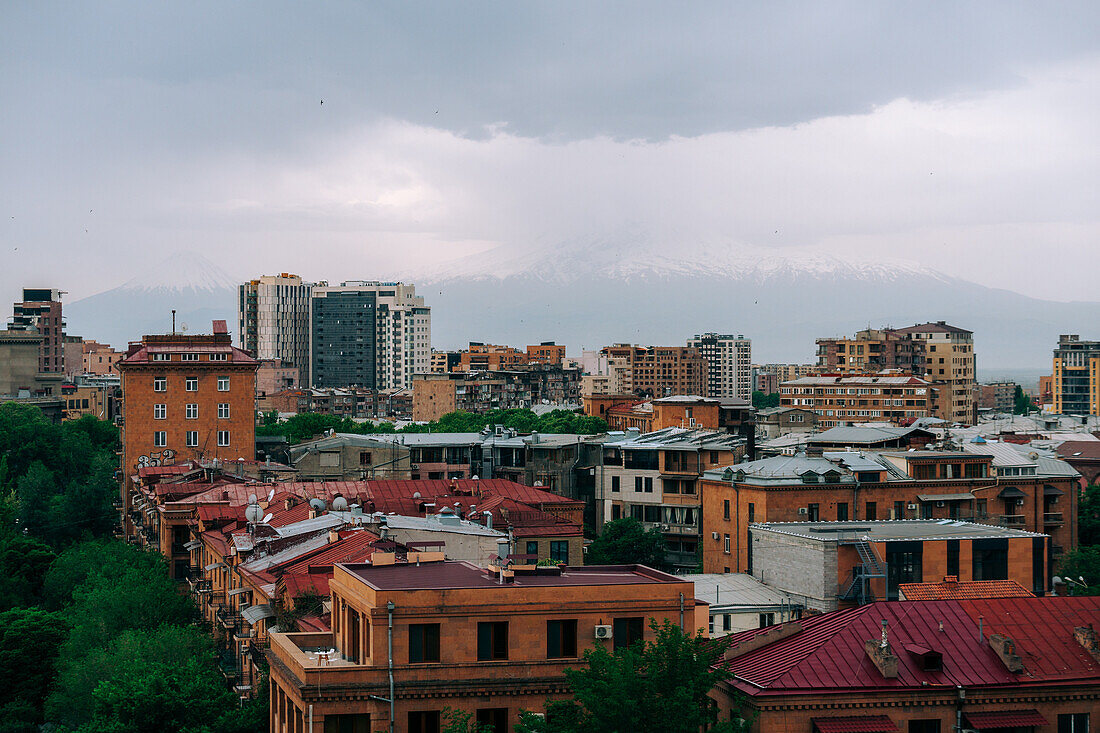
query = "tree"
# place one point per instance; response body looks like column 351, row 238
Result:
column 30, row 643
column 460, row 721
column 764, row 400
column 657, row 686
column 1088, row 516
column 627, row 542
column 106, row 560
column 23, row 565
column 1022, row 403
column 1084, row 562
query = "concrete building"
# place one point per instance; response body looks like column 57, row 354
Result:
column 775, row 421
column 1075, row 385
column 997, row 396
column 349, row 457
column 841, row 486
column 273, row 376
column 493, row 641
column 368, row 334
column 1021, row 665
column 97, row 358
column 20, row 359
column 782, row 372
column 871, row 350
column 436, row 394
column 729, row 364
column 653, row 477
column 40, row 312
column 273, row 320
column 841, row 399
column 738, row 602
column 185, row 397
column 651, row 371
column 828, row 564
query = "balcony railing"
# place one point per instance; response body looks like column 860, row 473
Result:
column 1053, row 518
column 1012, row 520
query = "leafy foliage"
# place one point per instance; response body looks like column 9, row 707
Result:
column 30, row 643
column 627, row 542
column 460, row 721
column 764, row 400
column 661, row 685
column 304, row 426
column 1084, row 562
column 23, row 565
column 1022, row 404
column 1088, row 516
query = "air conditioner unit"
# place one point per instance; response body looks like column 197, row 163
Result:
column 1019, row 502
column 603, row 632
column 803, row 510
column 912, row 506
column 940, row 503
column 714, row 535
column 664, row 527
column 415, row 467
column 1054, row 500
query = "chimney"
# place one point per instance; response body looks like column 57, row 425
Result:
column 1005, row 649
column 1087, row 638
column 333, row 536
column 814, row 451
column 880, row 653
column 951, row 580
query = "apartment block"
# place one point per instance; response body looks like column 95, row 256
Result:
column 653, row 371
column 99, row 358
column 729, row 364
column 436, row 394
column 496, row 640
column 368, row 334
column 839, row 399
column 40, row 312
column 1075, row 385
column 871, row 350
column 997, row 396
column 20, row 362
column 989, row 483
column 186, row 397
column 273, row 319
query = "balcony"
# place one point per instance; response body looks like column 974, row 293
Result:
column 1011, row 520
column 1053, row 519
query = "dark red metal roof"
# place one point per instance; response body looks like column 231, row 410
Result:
column 828, row 654
column 855, row 724
column 1005, row 719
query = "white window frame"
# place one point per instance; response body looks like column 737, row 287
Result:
column 223, row 384
column 189, row 357
column 219, row 357
column 160, row 384
column 192, row 438
column 191, row 384
column 223, row 439
column 160, row 411
column 223, row 410
column 160, row 439
column 191, row 411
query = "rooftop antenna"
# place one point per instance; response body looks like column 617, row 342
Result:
column 173, row 321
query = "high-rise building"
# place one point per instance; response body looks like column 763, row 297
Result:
column 273, row 320
column 729, row 364
column 368, row 334
column 40, row 312
column 649, row 371
column 938, row 352
column 1075, row 386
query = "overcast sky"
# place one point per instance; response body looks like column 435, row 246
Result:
column 960, row 135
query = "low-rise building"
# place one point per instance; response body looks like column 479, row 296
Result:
column 436, row 394
column 738, row 601
column 840, row 399
column 488, row 642
column 99, row 358
column 775, row 421
column 997, row 396
column 1004, row 664
column 829, row 564
column 349, row 457
column 871, row 438
column 951, row 588
column 844, row 486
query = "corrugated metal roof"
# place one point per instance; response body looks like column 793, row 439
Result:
column 963, row 589
column 1000, row 719
column 734, row 589
column 863, row 436
column 855, row 724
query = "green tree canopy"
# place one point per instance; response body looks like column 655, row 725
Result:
column 1088, row 516
column 1021, row 402
column 764, row 400
column 660, row 686
column 24, row 562
column 1084, row 562
column 627, row 542
column 30, row 643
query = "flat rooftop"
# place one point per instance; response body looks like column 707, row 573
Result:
column 449, row 575
column 886, row 530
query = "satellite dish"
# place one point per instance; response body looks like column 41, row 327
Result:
column 251, row 498
column 318, row 504
column 339, row 504
column 183, row 328
column 416, row 494
column 253, row 513
column 271, row 495
column 267, row 518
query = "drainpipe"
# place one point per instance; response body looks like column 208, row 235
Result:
column 959, row 708
column 681, row 612
column 389, row 641
column 311, row 718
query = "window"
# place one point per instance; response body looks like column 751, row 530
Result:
column 494, row 719
column 638, row 484
column 1073, row 723
column 953, row 557
column 223, row 410
column 813, row 512
column 191, row 384
column 726, row 544
column 189, row 357
column 924, row 726
column 727, row 622
column 990, row 559
column 561, row 639
column 160, row 412
column 533, row 548
column 615, row 484
column 725, row 508
column 160, row 357
column 872, row 511
column 752, row 512
column 160, row 439
column 423, row 643
column 842, row 511
column 424, row 721
column 492, row 640
column 559, row 551
column 223, row 438
column 899, row 510
column 223, row 384
column 903, row 565
column 648, row 483
column 767, row 619
column 219, row 357
column 192, row 439
column 191, row 412
column 626, row 631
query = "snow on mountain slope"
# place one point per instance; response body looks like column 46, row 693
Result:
column 182, row 271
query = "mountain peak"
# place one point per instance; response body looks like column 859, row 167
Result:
column 181, row 271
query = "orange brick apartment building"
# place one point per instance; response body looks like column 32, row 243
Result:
column 185, row 397
column 488, row 642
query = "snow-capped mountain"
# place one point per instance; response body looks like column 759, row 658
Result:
column 195, row 287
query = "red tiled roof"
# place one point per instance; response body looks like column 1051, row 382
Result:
column 855, row 724
column 1088, row 449
column 1005, row 719
column 828, row 654
column 172, row 470
column 210, row 512
column 961, row 590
